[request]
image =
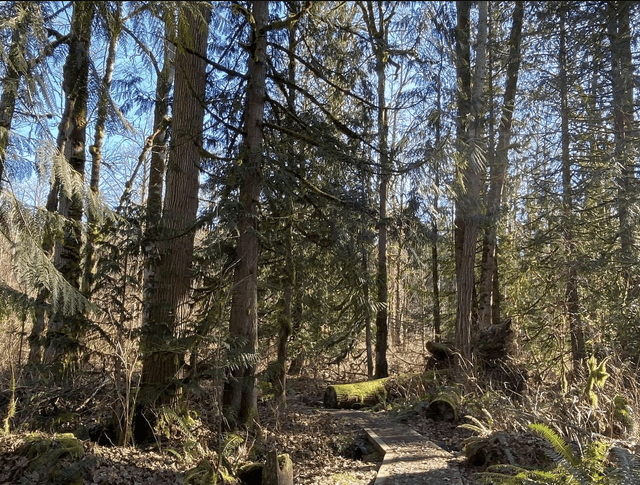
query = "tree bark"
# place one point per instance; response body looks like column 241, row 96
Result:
column 488, row 297
column 379, row 39
column 470, row 102
column 65, row 333
column 15, row 69
column 622, row 79
column 104, row 99
column 166, row 301
column 572, row 296
column 239, row 397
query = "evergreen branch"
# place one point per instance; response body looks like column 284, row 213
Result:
column 286, row 22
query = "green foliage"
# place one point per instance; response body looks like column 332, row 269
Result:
column 11, row 407
column 209, row 471
column 181, row 424
column 622, row 414
column 561, row 447
column 597, row 377
column 592, row 468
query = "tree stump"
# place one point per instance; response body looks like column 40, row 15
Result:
column 278, row 470
column 441, row 355
column 494, row 347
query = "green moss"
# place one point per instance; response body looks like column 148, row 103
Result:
column 621, row 412
column 208, row 472
column 363, row 390
column 56, row 460
column 597, row 377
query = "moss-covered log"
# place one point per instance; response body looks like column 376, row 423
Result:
column 355, row 395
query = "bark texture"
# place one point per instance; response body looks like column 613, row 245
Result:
column 622, row 79
column 489, row 288
column 169, row 268
column 239, row 397
column 470, row 170
column 572, row 296
column 15, row 69
column 65, row 332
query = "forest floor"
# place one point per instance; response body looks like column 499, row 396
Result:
column 325, row 448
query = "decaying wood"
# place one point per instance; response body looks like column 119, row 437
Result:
column 494, row 349
column 441, row 355
column 278, row 470
column 442, row 406
column 355, row 395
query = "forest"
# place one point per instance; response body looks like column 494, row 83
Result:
column 220, row 221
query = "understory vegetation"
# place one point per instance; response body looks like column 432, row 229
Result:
column 219, row 219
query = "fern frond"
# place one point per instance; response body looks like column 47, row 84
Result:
column 477, row 427
column 627, row 471
column 558, row 444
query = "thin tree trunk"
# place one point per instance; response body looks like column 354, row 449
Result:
column 572, row 297
column 435, row 277
column 65, row 333
column 104, row 96
column 160, row 113
column 488, row 297
column 15, row 69
column 167, row 300
column 397, row 328
column 379, row 43
column 239, row 398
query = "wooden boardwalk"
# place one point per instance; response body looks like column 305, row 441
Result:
column 408, row 457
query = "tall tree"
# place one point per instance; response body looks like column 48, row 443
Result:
column 239, row 396
column 65, row 332
column 488, row 281
column 166, row 301
column 622, row 79
column 471, row 157
column 113, row 21
column 572, row 289
column 377, row 19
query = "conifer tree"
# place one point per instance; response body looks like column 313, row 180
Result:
column 166, row 300
column 471, row 166
column 64, row 333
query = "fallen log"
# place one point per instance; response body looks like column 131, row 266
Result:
column 355, row 395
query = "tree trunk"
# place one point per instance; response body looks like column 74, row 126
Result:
column 623, row 125
column 470, row 170
column 15, row 69
column 239, row 396
column 497, row 176
column 572, row 298
column 104, row 99
column 379, row 43
column 160, row 114
column 435, row 277
column 278, row 470
column 397, row 327
column 65, row 333
column 166, row 301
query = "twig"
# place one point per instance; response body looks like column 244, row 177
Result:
column 86, row 401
